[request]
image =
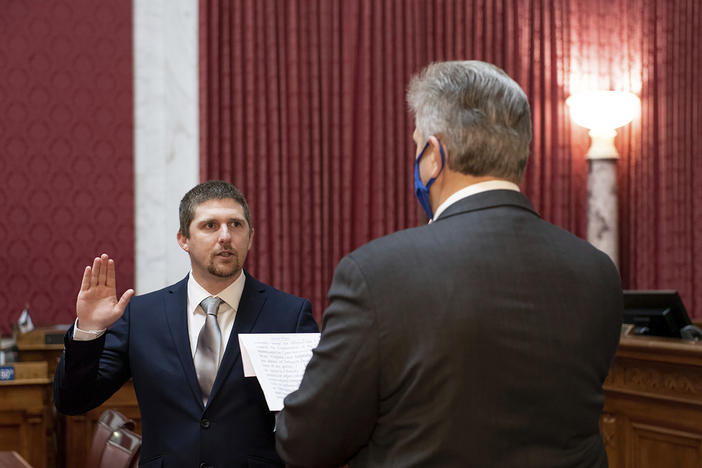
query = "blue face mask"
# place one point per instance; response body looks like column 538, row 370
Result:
column 421, row 190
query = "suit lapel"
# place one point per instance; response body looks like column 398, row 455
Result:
column 176, row 311
column 252, row 299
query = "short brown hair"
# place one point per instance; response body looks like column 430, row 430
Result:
column 210, row 190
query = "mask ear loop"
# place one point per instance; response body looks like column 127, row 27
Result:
column 421, row 190
column 443, row 162
column 421, row 153
column 443, row 157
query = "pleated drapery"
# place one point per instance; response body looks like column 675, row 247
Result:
column 303, row 108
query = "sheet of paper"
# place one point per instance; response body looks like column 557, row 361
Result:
column 249, row 370
column 278, row 360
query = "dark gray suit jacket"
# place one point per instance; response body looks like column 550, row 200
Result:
column 481, row 339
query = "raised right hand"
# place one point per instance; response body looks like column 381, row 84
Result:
column 97, row 306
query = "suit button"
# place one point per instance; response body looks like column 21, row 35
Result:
column 205, row 423
column 204, row 465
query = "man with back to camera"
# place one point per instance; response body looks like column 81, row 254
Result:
column 481, row 339
column 180, row 344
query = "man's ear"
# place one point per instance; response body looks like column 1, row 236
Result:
column 434, row 151
column 183, row 241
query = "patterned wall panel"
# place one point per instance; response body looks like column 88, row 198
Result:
column 66, row 157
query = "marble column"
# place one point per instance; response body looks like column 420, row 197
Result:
column 166, row 160
column 602, row 223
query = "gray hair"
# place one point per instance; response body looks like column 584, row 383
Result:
column 210, row 190
column 478, row 112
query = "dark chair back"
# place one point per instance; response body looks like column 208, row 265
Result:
column 114, row 445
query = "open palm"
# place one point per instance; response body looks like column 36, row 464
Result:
column 97, row 305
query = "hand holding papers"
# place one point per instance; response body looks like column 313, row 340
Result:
column 278, row 360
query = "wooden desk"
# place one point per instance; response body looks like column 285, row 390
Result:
column 13, row 460
column 42, row 344
column 652, row 414
column 45, row 344
column 24, row 415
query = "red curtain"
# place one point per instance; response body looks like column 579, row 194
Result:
column 661, row 164
column 303, row 107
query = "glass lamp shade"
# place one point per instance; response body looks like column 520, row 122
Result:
column 603, row 111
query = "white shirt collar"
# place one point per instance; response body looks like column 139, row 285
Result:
column 231, row 295
column 472, row 190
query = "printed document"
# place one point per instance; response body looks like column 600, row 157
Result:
column 278, row 360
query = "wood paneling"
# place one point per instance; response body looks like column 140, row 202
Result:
column 24, row 416
column 653, row 404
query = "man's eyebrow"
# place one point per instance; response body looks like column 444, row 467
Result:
column 215, row 220
column 209, row 219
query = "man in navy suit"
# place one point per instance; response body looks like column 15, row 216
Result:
column 153, row 339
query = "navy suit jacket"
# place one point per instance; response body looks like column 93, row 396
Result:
column 150, row 344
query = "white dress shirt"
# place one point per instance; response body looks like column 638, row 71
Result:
column 231, row 295
column 472, row 190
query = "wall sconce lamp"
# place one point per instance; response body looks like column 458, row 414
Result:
column 602, row 112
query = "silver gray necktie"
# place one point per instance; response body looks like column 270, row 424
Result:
column 208, row 345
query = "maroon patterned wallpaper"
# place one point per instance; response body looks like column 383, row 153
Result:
column 66, row 153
